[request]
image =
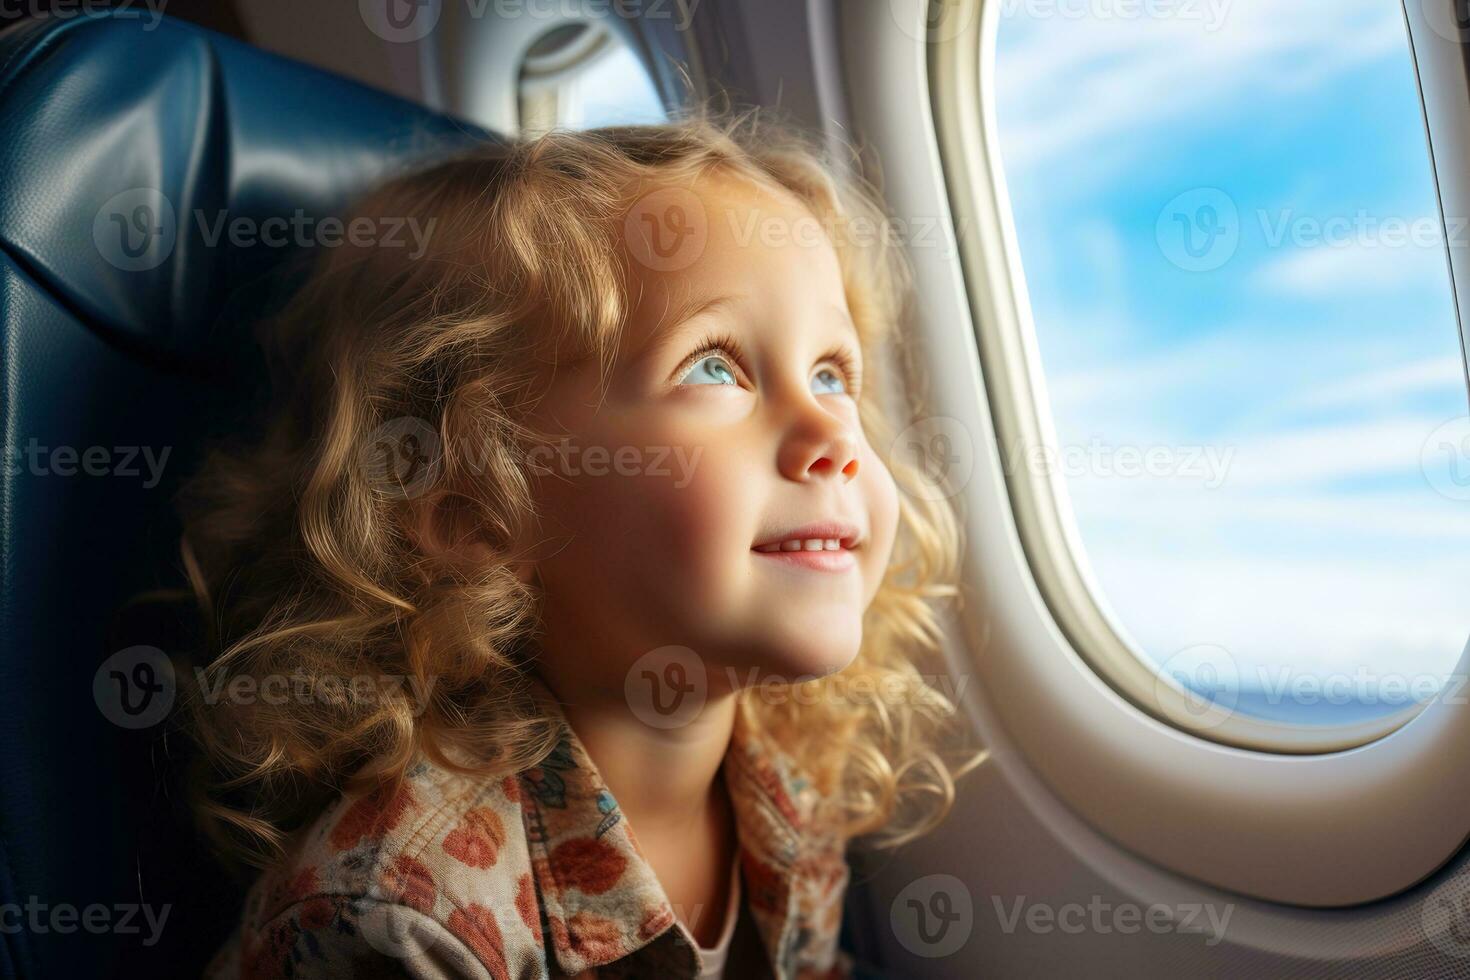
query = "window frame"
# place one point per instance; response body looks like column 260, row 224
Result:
column 544, row 82
column 1273, row 824
column 477, row 60
column 1021, row 407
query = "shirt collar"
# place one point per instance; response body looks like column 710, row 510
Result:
column 603, row 900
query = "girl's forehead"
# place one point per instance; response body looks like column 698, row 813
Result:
column 723, row 235
column 724, row 247
column 669, row 225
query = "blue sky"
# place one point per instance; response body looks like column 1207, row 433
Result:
column 1315, row 367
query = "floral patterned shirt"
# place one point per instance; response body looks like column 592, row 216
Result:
column 534, row 875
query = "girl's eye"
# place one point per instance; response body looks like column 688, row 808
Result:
column 829, row 382
column 713, row 369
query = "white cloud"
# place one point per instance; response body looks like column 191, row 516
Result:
column 1096, row 88
column 1313, row 614
column 1252, row 519
column 1280, row 570
column 1365, row 389
column 1388, row 447
column 1326, row 271
column 1255, row 380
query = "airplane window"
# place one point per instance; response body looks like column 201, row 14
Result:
column 580, row 76
column 1237, row 274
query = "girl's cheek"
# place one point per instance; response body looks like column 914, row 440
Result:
column 675, row 511
column 880, row 492
column 703, row 505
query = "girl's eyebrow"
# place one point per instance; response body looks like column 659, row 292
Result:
column 844, row 318
column 670, row 326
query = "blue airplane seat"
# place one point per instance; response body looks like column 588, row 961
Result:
column 126, row 344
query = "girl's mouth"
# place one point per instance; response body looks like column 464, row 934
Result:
column 826, row 559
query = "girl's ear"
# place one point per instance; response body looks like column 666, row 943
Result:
column 446, row 530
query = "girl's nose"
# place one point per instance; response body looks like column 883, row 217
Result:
column 827, row 465
column 824, row 448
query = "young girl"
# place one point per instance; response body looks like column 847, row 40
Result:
column 569, row 614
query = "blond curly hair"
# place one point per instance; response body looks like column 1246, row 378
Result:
column 303, row 561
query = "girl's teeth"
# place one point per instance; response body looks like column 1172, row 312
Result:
column 807, row 544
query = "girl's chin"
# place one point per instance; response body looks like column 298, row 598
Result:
column 780, row 653
column 809, row 661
